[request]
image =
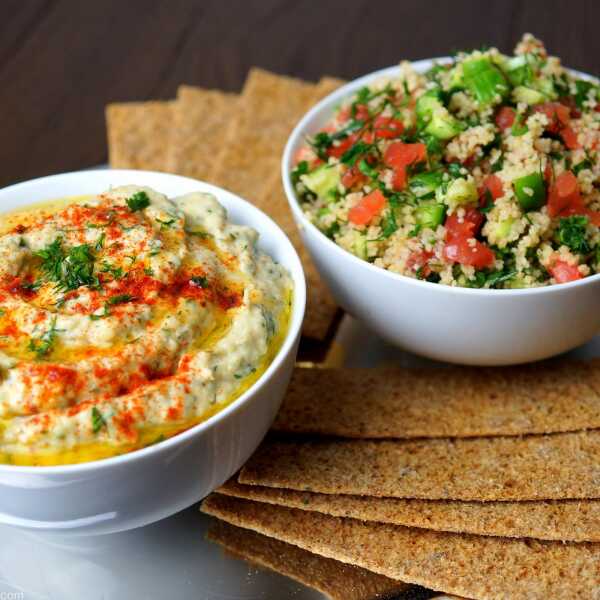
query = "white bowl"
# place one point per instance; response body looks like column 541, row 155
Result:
column 138, row 488
column 458, row 325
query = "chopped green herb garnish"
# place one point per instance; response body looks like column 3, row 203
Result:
column 138, row 201
column 572, row 233
column 100, row 242
column 165, row 224
column 98, row 421
column 119, row 299
column 69, row 270
column 300, row 169
column 199, row 281
column 43, row 345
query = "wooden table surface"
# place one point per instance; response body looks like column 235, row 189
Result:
column 61, row 61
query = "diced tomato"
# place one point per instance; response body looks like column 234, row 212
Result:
column 474, row 254
column 557, row 113
column 368, row 137
column 564, row 194
column 505, row 117
column 492, row 184
column 594, row 216
column 343, row 115
column 459, row 248
column 419, row 260
column 353, row 177
column 465, row 228
column 362, row 113
column 401, row 154
column 564, row 272
column 304, row 153
column 569, row 137
column 399, row 178
column 570, row 103
column 367, row 208
column 345, row 144
column 567, row 184
column 564, row 199
column 548, row 171
column 387, row 127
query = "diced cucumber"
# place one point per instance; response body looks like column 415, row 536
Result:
column 528, row 95
column 484, row 80
column 360, row 246
column 457, row 79
column 424, row 185
column 518, row 70
column 443, row 125
column 546, row 86
column 502, row 229
column 322, row 180
column 430, row 215
column 461, row 191
column 426, row 104
column 530, row 191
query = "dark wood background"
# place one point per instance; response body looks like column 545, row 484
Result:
column 61, row 61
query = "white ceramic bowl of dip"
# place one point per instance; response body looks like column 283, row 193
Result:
column 144, row 486
column 458, row 325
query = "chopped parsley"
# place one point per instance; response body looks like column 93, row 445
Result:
column 98, row 421
column 100, row 242
column 116, row 272
column 300, row 169
column 43, row 345
column 571, row 232
column 199, row 281
column 138, row 201
column 68, row 269
column 119, row 299
column 165, row 224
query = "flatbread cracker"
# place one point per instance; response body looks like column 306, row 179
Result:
column 559, row 520
column 138, row 134
column 559, row 466
column 269, row 108
column 466, row 565
column 338, row 581
column 200, row 119
column 452, row 402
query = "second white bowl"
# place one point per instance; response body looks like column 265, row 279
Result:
column 458, row 325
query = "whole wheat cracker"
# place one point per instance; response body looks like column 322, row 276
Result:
column 200, row 119
column 558, row 466
column 451, row 402
column 482, row 567
column 321, row 309
column 138, row 134
column 559, row 520
column 269, row 107
column 338, row 581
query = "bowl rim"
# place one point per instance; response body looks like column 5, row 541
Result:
column 303, row 128
column 294, row 328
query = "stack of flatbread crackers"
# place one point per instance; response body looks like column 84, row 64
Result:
column 481, row 483
column 234, row 141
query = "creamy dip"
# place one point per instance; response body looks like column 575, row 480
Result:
column 127, row 318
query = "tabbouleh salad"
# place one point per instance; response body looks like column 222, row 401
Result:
column 482, row 172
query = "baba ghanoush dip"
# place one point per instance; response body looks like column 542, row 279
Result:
column 127, row 318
